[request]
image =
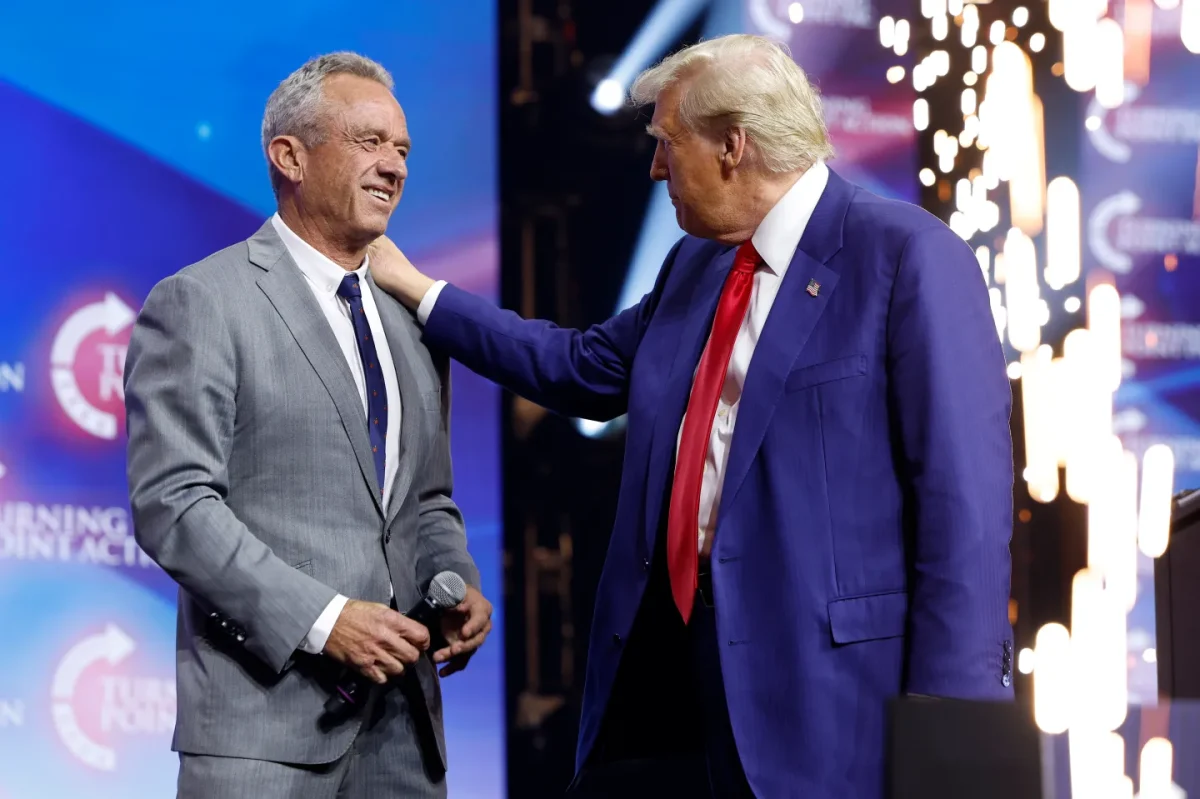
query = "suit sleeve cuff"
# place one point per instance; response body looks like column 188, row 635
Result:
column 314, row 642
column 429, row 300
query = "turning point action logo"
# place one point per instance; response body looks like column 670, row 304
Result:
column 87, row 364
column 93, row 702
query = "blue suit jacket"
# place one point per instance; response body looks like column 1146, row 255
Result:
column 861, row 548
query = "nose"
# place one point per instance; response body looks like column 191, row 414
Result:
column 393, row 166
column 658, row 167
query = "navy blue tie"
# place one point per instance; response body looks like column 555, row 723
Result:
column 376, row 389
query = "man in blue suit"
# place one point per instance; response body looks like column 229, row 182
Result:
column 816, row 503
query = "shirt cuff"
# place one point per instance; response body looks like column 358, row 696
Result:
column 314, row 642
column 429, row 300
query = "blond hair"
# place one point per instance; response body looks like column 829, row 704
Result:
column 749, row 82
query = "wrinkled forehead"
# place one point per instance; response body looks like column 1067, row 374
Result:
column 362, row 99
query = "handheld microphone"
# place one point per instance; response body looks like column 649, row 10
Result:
column 446, row 591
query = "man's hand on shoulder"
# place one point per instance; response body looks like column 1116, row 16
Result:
column 465, row 628
column 395, row 274
column 376, row 640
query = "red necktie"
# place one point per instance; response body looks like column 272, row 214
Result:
column 684, row 516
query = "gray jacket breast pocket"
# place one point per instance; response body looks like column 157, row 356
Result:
column 826, row 372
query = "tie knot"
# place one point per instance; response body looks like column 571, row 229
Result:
column 747, row 259
column 349, row 287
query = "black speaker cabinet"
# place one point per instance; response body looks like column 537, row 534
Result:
column 1177, row 602
column 953, row 749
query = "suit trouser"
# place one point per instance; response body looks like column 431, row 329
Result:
column 390, row 757
column 666, row 730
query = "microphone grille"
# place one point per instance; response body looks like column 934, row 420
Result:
column 447, row 590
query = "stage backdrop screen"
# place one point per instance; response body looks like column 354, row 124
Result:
column 1140, row 188
column 131, row 149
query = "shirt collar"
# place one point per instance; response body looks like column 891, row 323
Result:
column 322, row 272
column 779, row 234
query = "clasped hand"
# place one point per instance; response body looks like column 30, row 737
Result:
column 379, row 642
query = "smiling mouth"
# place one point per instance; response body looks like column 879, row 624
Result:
column 380, row 194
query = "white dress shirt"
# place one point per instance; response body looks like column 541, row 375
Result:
column 324, row 277
column 776, row 240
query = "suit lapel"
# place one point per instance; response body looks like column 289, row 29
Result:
column 678, row 387
column 284, row 286
column 793, row 316
column 402, row 334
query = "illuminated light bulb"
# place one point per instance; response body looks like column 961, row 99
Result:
column 1027, row 183
column 887, row 32
column 962, row 195
column 996, row 32
column 1067, row 14
column 1098, row 651
column 970, row 26
column 902, row 30
column 940, row 27
column 940, row 61
column 1080, row 54
column 1104, row 322
column 1012, row 129
column 927, row 177
column 1121, row 551
column 895, row 74
column 1157, row 764
column 1052, row 679
column 969, row 101
column 983, row 256
column 1038, row 401
column 1189, row 25
column 1097, row 764
column 1021, row 292
column 1088, row 422
column 1154, row 509
column 920, row 113
column 1062, row 233
column 979, row 59
column 1109, row 62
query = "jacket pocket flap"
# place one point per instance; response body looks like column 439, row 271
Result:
column 817, row 373
column 866, row 618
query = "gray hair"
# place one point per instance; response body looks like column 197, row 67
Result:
column 294, row 108
column 749, row 82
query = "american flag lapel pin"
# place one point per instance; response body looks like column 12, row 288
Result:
column 814, row 288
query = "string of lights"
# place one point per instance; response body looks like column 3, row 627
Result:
column 982, row 71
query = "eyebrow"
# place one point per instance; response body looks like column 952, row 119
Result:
column 656, row 131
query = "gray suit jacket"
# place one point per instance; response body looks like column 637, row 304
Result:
column 252, row 484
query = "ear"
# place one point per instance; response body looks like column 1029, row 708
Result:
column 733, row 147
column 289, row 156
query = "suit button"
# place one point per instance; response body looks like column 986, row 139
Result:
column 1006, row 680
column 617, row 639
column 645, row 564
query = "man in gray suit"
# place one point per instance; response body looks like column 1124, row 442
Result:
column 289, row 467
